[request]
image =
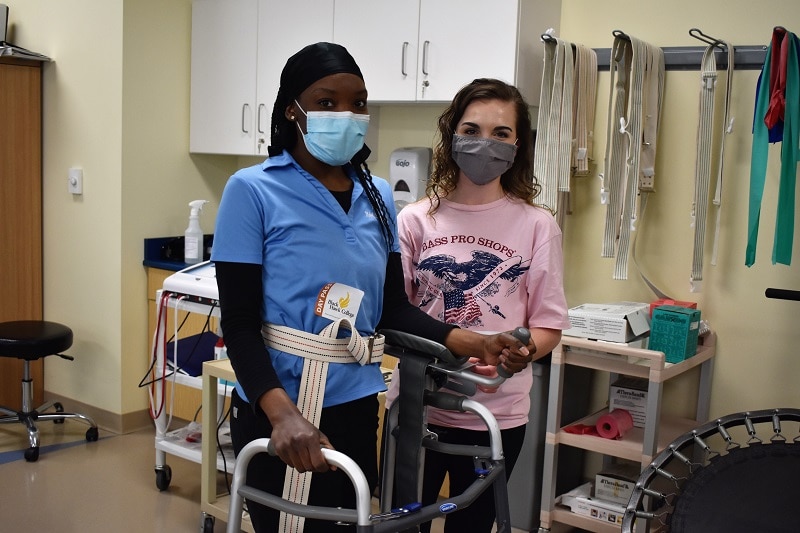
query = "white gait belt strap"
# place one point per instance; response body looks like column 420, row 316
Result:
column 318, row 352
column 584, row 101
column 728, row 130
column 705, row 147
column 553, row 152
column 631, row 141
column 564, row 137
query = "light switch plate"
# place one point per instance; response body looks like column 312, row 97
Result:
column 75, row 180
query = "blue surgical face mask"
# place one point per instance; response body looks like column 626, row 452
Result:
column 334, row 137
column 482, row 160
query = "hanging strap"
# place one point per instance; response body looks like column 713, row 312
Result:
column 318, row 351
column 553, row 153
column 637, row 88
column 702, row 170
column 728, row 129
column 584, row 100
column 616, row 144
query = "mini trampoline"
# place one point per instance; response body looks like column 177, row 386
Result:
column 739, row 473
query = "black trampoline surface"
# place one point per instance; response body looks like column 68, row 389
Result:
column 753, row 489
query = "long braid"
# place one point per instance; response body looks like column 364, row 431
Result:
column 378, row 205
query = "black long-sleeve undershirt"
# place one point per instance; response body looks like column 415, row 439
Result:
column 241, row 297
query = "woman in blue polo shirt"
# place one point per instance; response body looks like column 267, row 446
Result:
column 305, row 239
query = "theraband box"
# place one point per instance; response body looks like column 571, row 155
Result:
column 674, row 331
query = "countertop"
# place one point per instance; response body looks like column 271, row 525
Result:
column 167, row 252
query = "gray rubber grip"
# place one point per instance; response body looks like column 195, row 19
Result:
column 524, row 336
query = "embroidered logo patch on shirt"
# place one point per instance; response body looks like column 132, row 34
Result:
column 337, row 300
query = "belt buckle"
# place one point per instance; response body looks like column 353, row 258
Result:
column 370, row 343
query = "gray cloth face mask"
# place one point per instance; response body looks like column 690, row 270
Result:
column 482, row 160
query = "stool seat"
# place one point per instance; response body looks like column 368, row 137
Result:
column 33, row 339
column 30, row 340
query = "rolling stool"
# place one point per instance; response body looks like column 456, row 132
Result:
column 30, row 340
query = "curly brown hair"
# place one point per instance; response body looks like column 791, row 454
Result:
column 518, row 181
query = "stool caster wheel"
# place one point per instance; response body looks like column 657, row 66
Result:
column 208, row 524
column 59, row 409
column 163, row 477
column 91, row 434
column 32, row 454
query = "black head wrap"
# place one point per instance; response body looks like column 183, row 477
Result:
column 310, row 64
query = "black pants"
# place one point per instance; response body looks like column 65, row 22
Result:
column 480, row 516
column 351, row 428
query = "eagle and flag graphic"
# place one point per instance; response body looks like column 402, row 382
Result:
column 466, row 286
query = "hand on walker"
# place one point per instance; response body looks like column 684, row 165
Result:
column 503, row 349
column 296, row 441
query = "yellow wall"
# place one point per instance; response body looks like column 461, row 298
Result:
column 116, row 104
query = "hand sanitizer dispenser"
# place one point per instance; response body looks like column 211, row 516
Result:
column 409, row 169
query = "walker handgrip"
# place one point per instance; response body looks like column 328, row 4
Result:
column 524, row 336
column 398, row 340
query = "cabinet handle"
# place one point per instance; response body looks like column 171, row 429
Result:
column 258, row 121
column 244, row 108
column 403, row 60
column 425, row 57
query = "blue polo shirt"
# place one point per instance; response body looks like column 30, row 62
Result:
column 279, row 216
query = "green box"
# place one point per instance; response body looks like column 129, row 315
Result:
column 674, row 330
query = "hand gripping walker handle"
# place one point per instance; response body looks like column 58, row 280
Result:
column 524, row 336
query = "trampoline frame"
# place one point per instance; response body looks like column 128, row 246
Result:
column 642, row 499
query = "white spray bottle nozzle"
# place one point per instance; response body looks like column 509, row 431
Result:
column 197, row 206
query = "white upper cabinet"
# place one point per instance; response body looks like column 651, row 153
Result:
column 438, row 46
column 408, row 50
column 284, row 29
column 223, row 87
column 382, row 36
column 239, row 48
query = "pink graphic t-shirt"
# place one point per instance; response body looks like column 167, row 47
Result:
column 487, row 268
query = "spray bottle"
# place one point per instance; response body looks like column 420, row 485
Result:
column 193, row 238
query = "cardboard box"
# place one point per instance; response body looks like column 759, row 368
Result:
column 674, row 331
column 615, row 322
column 580, row 502
column 630, row 393
column 667, row 301
column 616, row 482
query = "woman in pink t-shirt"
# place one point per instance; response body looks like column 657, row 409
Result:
column 479, row 253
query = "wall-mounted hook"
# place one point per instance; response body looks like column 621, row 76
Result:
column 548, row 37
column 711, row 41
column 620, row 34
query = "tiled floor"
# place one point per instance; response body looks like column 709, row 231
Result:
column 102, row 486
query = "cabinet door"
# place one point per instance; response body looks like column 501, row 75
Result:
column 20, row 214
column 382, row 37
column 461, row 40
column 284, row 28
column 223, row 80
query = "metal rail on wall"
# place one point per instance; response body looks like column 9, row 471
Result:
column 749, row 57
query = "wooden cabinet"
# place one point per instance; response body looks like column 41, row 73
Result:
column 20, row 212
column 426, row 50
column 239, row 48
column 639, row 444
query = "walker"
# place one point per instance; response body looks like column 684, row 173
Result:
column 436, row 368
